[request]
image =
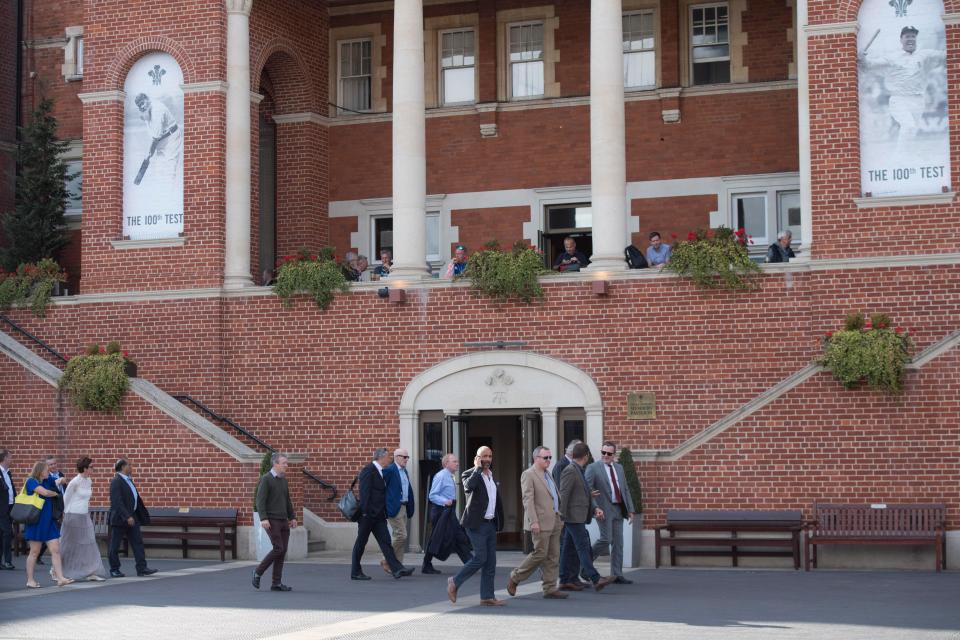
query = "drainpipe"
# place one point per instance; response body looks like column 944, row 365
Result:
column 18, row 96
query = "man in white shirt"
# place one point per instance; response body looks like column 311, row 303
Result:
column 7, row 494
column 607, row 481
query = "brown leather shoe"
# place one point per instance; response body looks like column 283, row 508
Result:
column 493, row 602
column 555, row 595
column 569, row 586
column 386, row 567
column 511, row 587
column 452, row 590
column 602, row 582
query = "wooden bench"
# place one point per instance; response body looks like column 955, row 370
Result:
column 176, row 528
column 788, row 524
column 101, row 529
column 902, row 524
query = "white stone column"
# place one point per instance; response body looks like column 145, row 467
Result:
column 803, row 113
column 551, row 435
column 593, row 431
column 409, row 142
column 236, row 272
column 608, row 163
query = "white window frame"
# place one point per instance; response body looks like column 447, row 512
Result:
column 72, row 67
column 729, row 42
column 432, row 217
column 735, row 224
column 653, row 15
column 74, row 153
column 773, row 188
column 341, row 108
column 542, row 60
column 441, row 68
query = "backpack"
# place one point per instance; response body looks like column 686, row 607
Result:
column 634, row 258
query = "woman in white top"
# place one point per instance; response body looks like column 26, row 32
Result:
column 78, row 543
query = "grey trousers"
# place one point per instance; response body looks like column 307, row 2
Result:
column 611, row 536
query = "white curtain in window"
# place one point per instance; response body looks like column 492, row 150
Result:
column 639, row 69
column 527, row 79
column 458, row 85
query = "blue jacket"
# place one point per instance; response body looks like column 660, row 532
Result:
column 391, row 477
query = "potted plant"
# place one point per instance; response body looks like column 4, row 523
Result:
column 868, row 351
column 129, row 366
column 715, row 259
column 503, row 275
column 95, row 380
column 632, row 531
column 261, row 539
column 31, row 284
column 318, row 275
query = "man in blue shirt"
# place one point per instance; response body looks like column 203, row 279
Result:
column 658, row 253
column 400, row 506
column 443, row 498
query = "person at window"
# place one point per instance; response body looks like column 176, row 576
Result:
column 386, row 263
column 570, row 259
column 363, row 266
column 658, row 252
column 457, row 265
column 350, row 270
column 780, row 250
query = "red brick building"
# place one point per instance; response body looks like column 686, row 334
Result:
column 364, row 126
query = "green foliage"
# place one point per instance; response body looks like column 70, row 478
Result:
column 266, row 463
column 501, row 275
column 30, row 284
column 714, row 259
column 36, row 228
column 868, row 351
column 319, row 275
column 633, row 481
column 96, row 382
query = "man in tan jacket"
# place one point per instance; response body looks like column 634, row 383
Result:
column 541, row 517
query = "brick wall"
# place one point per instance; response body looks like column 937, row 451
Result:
column 673, row 217
column 480, row 226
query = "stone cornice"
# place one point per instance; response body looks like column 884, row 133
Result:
column 833, row 28
column 213, row 86
column 308, row 116
column 905, row 201
column 239, row 6
column 102, row 96
column 951, row 19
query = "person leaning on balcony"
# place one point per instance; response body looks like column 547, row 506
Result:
column 457, row 265
column 277, row 518
column 570, row 259
column 386, row 263
column 350, row 268
column 780, row 250
column 658, row 253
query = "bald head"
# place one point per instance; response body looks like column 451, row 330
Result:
column 484, row 458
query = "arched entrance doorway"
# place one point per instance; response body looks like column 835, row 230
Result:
column 509, row 400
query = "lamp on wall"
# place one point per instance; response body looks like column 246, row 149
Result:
column 600, row 287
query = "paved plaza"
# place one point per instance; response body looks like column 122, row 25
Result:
column 211, row 600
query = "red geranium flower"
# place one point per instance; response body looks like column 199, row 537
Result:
column 829, row 334
column 898, row 330
column 691, row 236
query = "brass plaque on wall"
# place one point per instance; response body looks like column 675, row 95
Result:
column 641, row 406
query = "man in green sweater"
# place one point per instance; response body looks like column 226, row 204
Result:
column 277, row 518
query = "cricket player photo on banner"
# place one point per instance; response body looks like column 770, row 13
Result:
column 153, row 149
column 904, row 129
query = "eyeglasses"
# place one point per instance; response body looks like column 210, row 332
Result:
column 545, row 457
column 606, row 453
column 404, row 457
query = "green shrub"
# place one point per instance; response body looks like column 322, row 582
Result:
column 633, row 481
column 318, row 275
column 868, row 352
column 501, row 275
column 96, row 382
column 715, row 258
column 266, row 463
column 30, row 284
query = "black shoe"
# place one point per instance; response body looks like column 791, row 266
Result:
column 403, row 573
column 146, row 572
column 256, row 580
column 429, row 570
column 7, row 566
column 360, row 576
column 622, row 580
column 117, row 574
column 280, row 587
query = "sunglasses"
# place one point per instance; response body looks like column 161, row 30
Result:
column 404, row 457
column 545, row 457
column 606, row 453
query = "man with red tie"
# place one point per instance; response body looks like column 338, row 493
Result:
column 606, row 477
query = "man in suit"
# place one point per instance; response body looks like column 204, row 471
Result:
column 606, row 477
column 373, row 517
column 400, row 503
column 277, row 518
column 482, row 518
column 7, row 494
column 443, row 498
column 576, row 506
column 569, row 562
column 127, row 514
column 541, row 517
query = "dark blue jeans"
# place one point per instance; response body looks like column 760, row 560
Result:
column 579, row 539
column 484, row 540
column 569, row 562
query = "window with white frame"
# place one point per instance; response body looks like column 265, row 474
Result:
column 526, row 63
column 73, row 186
column 354, row 75
column 766, row 212
column 710, row 43
column 80, row 56
column 639, row 50
column 457, row 66
column 750, row 214
column 381, row 236
column 788, row 214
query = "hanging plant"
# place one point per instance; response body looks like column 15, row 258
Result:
column 501, row 275
column 31, row 284
column 868, row 351
column 96, row 380
column 715, row 259
column 318, row 275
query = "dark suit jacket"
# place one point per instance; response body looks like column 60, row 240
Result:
column 391, row 476
column 558, row 468
column 373, row 493
column 477, row 501
column 576, row 503
column 121, row 504
column 4, row 496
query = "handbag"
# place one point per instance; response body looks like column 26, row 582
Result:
column 349, row 505
column 26, row 509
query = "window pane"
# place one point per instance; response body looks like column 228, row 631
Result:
column 716, row 51
column 527, row 79
column 458, row 85
column 79, row 56
column 382, row 236
column 73, row 186
column 711, row 72
column 356, row 93
column 433, row 235
column 789, row 217
column 752, row 215
column 570, row 217
column 639, row 69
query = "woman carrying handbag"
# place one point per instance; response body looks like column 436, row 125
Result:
column 45, row 529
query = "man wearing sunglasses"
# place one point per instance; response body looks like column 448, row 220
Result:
column 400, row 505
column 541, row 517
column 607, row 480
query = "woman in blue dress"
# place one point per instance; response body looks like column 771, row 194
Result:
column 44, row 530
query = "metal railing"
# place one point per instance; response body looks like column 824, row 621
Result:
column 43, row 345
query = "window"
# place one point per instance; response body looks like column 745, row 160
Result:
column 639, row 50
column 457, row 67
column 525, row 42
column 73, row 185
column 80, row 56
column 788, row 214
column 354, row 75
column 750, row 214
column 433, row 237
column 562, row 220
column 709, row 44
column 72, row 67
column 381, row 228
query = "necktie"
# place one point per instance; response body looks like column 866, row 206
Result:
column 618, row 498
